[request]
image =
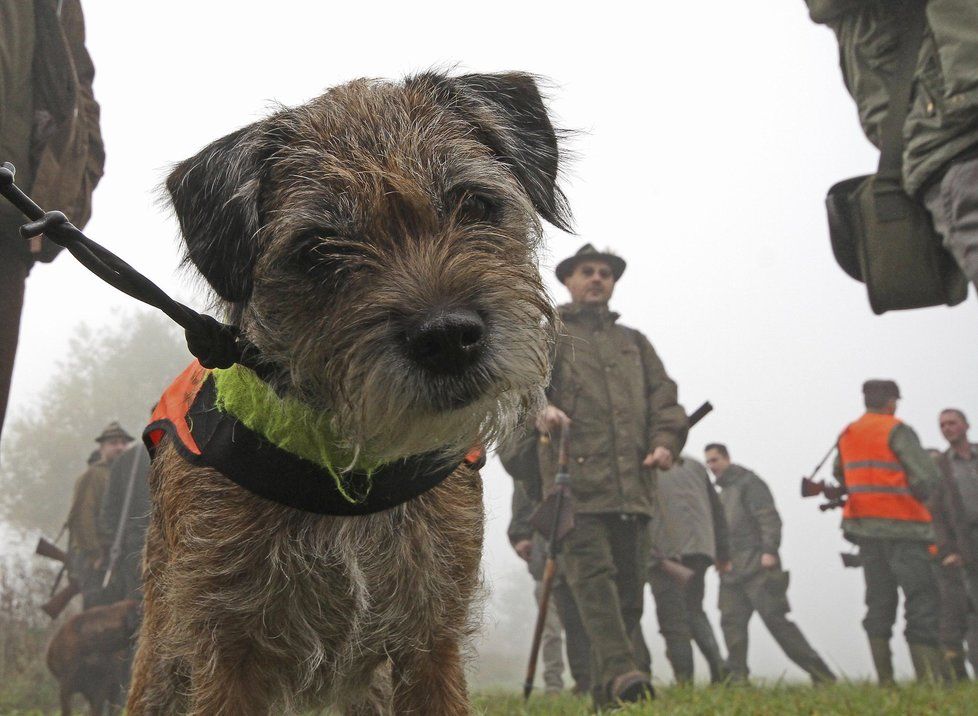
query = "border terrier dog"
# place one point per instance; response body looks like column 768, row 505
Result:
column 378, row 246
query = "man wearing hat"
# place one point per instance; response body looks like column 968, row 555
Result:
column 610, row 387
column 888, row 476
column 85, row 546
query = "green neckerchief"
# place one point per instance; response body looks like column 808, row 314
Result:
column 286, row 423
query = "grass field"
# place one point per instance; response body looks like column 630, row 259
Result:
column 908, row 699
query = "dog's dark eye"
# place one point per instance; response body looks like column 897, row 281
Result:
column 477, row 209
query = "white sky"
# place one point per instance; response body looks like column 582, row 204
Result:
column 708, row 134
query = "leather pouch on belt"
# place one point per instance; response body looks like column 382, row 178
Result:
column 885, row 239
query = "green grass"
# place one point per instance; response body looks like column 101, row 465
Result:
column 909, row 699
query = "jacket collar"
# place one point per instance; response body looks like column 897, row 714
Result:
column 583, row 313
column 731, row 475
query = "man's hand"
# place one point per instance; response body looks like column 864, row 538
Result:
column 660, row 458
column 769, row 561
column 724, row 567
column 551, row 418
column 524, row 548
column 952, row 560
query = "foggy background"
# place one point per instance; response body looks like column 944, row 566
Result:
column 707, row 135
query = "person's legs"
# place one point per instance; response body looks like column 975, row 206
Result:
column 16, row 119
column 575, row 637
column 952, row 619
column 670, row 612
column 882, row 599
column 631, row 546
column 552, row 645
column 768, row 593
column 911, row 565
column 953, row 205
column 735, row 614
column 588, row 565
column 699, row 624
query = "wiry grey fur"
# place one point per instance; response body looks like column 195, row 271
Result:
column 330, row 230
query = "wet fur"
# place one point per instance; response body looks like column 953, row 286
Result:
column 328, row 230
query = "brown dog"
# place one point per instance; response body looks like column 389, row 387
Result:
column 88, row 654
column 378, row 247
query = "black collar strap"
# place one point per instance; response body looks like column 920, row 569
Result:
column 266, row 470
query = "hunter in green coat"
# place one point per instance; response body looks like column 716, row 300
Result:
column 610, row 387
column 755, row 581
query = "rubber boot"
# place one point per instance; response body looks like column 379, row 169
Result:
column 954, row 668
column 882, row 660
column 707, row 643
column 928, row 665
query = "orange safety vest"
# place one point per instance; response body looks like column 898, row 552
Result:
column 875, row 480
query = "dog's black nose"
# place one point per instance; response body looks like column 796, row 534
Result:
column 447, row 341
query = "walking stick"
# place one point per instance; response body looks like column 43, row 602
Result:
column 561, row 495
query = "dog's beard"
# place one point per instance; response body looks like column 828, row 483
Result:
column 393, row 408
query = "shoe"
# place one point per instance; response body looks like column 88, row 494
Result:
column 631, row 687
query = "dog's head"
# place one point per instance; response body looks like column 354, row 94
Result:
column 378, row 245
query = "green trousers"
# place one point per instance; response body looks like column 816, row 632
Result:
column 889, row 567
column 603, row 560
column 766, row 593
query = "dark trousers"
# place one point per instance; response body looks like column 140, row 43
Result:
column 889, row 567
column 576, row 641
column 957, row 622
column 766, row 593
column 670, row 611
column 603, row 560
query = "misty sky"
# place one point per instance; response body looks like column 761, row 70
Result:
column 706, row 136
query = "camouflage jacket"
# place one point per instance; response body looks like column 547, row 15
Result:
column 943, row 119
column 753, row 523
column 622, row 404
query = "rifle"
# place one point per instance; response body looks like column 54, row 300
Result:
column 50, row 550
column 835, row 494
column 559, row 526
column 120, row 529
column 57, row 603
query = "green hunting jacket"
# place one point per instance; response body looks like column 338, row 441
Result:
column 622, row 405
column 83, row 533
column 753, row 523
column 943, row 119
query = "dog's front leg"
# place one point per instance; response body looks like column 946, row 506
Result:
column 431, row 682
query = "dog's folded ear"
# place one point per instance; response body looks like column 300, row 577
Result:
column 510, row 117
column 215, row 197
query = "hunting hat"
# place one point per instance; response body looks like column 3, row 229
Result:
column 588, row 253
column 877, row 392
column 112, row 431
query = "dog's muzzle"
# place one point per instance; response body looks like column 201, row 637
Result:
column 447, row 341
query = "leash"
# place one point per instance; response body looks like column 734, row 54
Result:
column 214, row 344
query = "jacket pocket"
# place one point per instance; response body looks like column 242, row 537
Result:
column 589, row 475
